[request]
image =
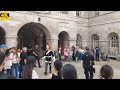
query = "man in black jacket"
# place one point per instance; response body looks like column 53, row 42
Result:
column 23, row 57
column 88, row 62
column 73, row 49
column 37, row 56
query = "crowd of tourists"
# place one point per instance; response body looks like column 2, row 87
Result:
column 75, row 53
column 20, row 64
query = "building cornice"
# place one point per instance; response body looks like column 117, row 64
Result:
column 80, row 21
column 101, row 14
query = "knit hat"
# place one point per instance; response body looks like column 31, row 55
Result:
column 3, row 46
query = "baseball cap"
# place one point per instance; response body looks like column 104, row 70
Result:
column 3, row 46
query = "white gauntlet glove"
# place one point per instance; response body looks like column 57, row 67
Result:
column 43, row 57
column 54, row 59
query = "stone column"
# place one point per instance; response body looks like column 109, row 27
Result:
column 11, row 41
column 104, row 46
column 40, row 40
column 118, row 56
column 72, row 41
column 119, row 47
column 54, row 44
column 86, row 43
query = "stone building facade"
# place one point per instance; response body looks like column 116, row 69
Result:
column 65, row 28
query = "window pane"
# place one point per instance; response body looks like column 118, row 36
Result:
column 112, row 45
column 64, row 12
column 114, row 41
column 95, row 41
column 78, row 13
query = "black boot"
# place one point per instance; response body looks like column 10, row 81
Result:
column 40, row 66
column 45, row 73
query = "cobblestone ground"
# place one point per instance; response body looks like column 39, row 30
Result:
column 78, row 65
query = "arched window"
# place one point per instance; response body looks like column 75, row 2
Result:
column 113, row 41
column 79, row 41
column 96, row 13
column 95, row 40
column 78, row 13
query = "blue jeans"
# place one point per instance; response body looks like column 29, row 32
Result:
column 15, row 69
column 97, row 57
column 22, row 69
column 80, row 56
column 3, row 71
column 66, row 58
column 71, row 57
column 9, row 71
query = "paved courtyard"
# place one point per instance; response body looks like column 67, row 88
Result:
column 115, row 65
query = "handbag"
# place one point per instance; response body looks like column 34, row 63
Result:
column 8, row 64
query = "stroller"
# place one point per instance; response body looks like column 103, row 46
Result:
column 104, row 56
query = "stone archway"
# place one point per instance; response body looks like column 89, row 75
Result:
column 33, row 33
column 2, row 35
column 63, row 39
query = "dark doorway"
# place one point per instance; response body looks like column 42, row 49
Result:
column 63, row 39
column 31, row 34
column 2, row 36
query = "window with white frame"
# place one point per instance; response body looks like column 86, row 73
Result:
column 95, row 41
column 113, row 41
column 78, row 13
column 96, row 13
column 78, row 41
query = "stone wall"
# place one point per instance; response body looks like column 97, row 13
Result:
column 86, row 25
